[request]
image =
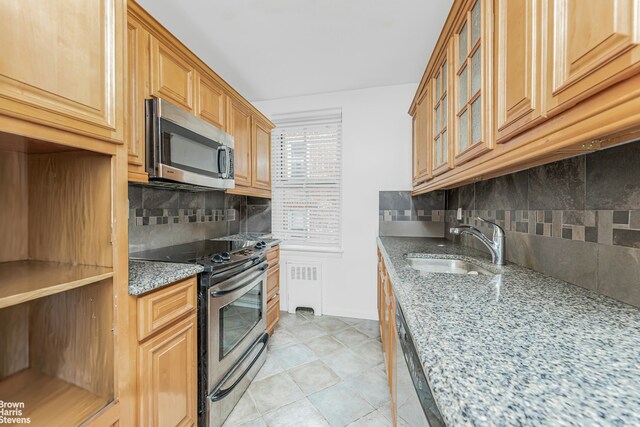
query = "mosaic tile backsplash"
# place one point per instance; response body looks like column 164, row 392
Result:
column 181, row 216
column 400, row 214
column 577, row 219
column 163, row 217
column 607, row 227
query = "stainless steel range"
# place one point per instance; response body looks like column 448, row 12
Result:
column 232, row 310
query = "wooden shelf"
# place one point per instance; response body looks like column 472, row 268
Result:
column 22, row 281
column 48, row 400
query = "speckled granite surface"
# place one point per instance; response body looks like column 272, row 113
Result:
column 145, row 276
column 517, row 348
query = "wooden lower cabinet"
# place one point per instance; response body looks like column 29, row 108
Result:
column 167, row 356
column 273, row 288
column 387, row 316
column 273, row 314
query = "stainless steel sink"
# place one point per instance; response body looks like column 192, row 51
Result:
column 451, row 266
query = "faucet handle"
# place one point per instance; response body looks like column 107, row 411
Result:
column 497, row 230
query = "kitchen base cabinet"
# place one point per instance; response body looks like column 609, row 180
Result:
column 168, row 376
column 387, row 316
column 167, row 356
column 273, row 289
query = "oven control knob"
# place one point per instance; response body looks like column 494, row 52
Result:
column 217, row 258
column 225, row 256
column 261, row 245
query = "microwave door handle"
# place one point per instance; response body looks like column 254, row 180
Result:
column 228, row 157
column 222, row 161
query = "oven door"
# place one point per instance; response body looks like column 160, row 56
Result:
column 183, row 148
column 236, row 317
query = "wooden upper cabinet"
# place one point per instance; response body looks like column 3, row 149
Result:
column 211, row 105
column 421, row 140
column 62, row 64
column 240, row 128
column 162, row 67
column 138, row 88
column 261, row 165
column 172, row 76
column 593, row 44
column 442, row 118
column 473, row 65
column 520, row 65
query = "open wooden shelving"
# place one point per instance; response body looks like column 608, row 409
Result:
column 22, row 281
column 49, row 400
column 57, row 282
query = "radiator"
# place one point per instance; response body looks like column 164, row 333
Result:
column 304, row 286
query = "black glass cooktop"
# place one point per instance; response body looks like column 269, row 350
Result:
column 196, row 252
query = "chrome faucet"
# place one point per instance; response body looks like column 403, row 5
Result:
column 496, row 245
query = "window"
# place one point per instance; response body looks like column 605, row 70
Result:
column 306, row 183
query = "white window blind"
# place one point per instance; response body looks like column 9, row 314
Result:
column 306, row 160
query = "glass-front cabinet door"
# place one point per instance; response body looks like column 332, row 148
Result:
column 473, row 82
column 441, row 129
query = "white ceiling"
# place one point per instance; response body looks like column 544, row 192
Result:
column 269, row 49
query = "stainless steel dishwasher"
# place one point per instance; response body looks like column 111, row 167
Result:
column 415, row 402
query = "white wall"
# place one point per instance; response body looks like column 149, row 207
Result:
column 376, row 156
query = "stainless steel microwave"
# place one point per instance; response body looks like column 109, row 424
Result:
column 184, row 151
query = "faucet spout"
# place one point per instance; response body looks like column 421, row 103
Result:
column 495, row 245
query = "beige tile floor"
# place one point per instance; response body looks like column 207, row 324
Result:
column 320, row 371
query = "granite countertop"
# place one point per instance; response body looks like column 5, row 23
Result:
column 146, row 276
column 517, row 348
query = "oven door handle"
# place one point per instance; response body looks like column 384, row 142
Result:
column 245, row 282
column 220, row 393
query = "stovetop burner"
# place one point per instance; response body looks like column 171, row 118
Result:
column 212, row 254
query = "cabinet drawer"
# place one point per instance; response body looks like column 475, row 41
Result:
column 273, row 313
column 162, row 307
column 273, row 280
column 273, row 256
